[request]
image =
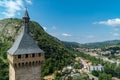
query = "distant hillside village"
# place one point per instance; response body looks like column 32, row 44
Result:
column 99, row 53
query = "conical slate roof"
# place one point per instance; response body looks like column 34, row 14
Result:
column 26, row 14
column 24, row 43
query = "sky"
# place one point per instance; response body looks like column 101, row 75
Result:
column 82, row 21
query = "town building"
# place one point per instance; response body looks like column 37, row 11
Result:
column 96, row 68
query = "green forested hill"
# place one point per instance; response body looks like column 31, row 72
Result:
column 56, row 55
column 100, row 44
column 71, row 45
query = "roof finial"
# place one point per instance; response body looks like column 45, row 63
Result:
column 26, row 21
column 26, row 17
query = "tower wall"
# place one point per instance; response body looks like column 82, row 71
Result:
column 11, row 72
column 32, row 72
column 28, row 73
column 22, row 67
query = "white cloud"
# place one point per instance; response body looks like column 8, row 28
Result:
column 110, row 22
column 45, row 28
column 116, row 34
column 28, row 2
column 12, row 7
column 66, row 35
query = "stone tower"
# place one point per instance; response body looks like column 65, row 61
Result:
column 25, row 57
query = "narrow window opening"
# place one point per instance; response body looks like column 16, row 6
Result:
column 39, row 62
column 30, row 63
column 33, row 63
column 22, row 64
column 36, row 62
column 19, row 64
column 39, row 54
column 15, row 65
column 26, row 56
column 19, row 56
column 33, row 55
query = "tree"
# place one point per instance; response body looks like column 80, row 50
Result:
column 117, row 71
column 104, row 76
column 95, row 73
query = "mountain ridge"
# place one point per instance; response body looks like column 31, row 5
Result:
column 72, row 45
column 100, row 44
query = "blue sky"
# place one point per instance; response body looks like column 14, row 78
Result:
column 80, row 21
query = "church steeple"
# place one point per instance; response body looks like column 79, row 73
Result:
column 26, row 19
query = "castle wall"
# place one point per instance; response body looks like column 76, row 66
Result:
column 11, row 72
column 25, row 72
column 15, row 61
column 28, row 73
